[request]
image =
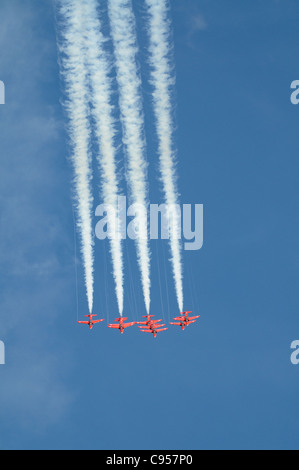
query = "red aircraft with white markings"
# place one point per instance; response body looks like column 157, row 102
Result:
column 184, row 320
column 153, row 328
column 148, row 321
column 90, row 321
column 121, row 325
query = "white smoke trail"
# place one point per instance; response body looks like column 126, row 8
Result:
column 163, row 81
column 74, row 73
column 101, row 100
column 123, row 30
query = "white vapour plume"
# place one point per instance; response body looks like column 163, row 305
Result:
column 101, row 101
column 74, row 73
column 123, row 30
column 163, row 81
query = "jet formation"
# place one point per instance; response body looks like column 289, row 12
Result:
column 149, row 325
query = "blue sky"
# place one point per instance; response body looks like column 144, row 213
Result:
column 225, row 383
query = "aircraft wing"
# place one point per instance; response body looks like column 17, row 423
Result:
column 98, row 321
column 83, row 322
column 114, row 326
column 149, row 327
column 179, row 318
column 162, row 329
column 194, row 318
column 146, row 331
column 126, row 325
column 172, row 323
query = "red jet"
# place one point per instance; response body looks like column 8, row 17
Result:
column 121, row 325
column 184, row 320
column 90, row 321
column 148, row 320
column 153, row 328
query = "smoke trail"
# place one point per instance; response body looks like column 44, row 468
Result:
column 74, row 73
column 123, row 31
column 163, row 81
column 100, row 98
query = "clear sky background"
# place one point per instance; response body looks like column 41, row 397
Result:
column 226, row 382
